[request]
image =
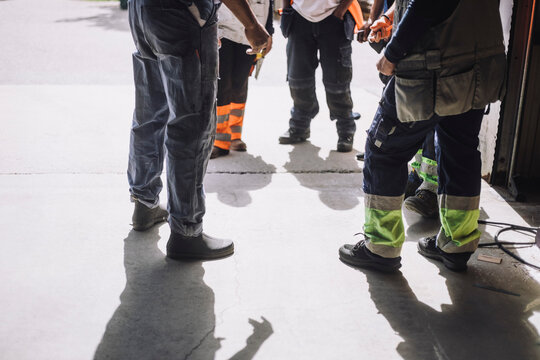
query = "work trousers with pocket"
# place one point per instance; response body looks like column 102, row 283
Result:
column 309, row 44
column 390, row 146
column 175, row 71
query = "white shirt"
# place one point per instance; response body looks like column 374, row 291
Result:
column 315, row 10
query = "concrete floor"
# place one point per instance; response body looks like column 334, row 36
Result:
column 77, row 283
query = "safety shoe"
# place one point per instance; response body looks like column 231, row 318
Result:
column 345, row 143
column 424, row 202
column 454, row 261
column 294, row 136
column 144, row 217
column 218, row 152
column 413, row 182
column 238, row 145
column 201, row 247
column 360, row 256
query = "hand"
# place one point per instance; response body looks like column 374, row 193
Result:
column 380, row 30
column 262, row 329
column 268, row 47
column 385, row 67
column 340, row 11
column 258, row 38
column 364, row 32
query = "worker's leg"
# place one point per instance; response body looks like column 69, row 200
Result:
column 224, row 94
column 459, row 181
column 336, row 64
column 188, row 66
column 146, row 149
column 424, row 199
column 301, row 64
column 243, row 66
column 389, row 147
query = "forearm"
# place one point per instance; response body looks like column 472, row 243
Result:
column 376, row 10
column 242, row 10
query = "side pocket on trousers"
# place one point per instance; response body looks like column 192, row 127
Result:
column 287, row 19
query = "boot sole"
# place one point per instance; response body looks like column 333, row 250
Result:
column 295, row 140
column 195, row 256
column 147, row 226
column 370, row 265
column 438, row 257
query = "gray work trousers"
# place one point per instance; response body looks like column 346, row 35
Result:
column 175, row 71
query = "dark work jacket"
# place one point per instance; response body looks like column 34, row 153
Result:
column 456, row 66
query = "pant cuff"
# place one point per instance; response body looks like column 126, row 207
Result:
column 149, row 204
column 383, row 250
column 448, row 246
column 190, row 230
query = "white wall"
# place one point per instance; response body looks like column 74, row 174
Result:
column 490, row 125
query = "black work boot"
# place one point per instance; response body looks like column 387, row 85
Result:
column 144, row 217
column 360, row 256
column 218, row 152
column 413, row 182
column 345, row 143
column 201, row 247
column 294, row 136
column 454, row 261
column 238, row 145
column 424, row 202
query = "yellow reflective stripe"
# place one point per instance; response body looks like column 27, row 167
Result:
column 236, row 129
column 429, row 161
column 384, row 228
column 461, row 226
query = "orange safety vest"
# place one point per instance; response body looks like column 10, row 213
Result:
column 356, row 12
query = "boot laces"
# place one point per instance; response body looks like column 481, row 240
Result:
column 360, row 243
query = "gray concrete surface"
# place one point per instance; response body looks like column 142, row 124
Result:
column 77, row 283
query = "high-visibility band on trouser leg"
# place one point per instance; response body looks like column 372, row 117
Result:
column 236, row 132
column 459, row 219
column 417, row 163
column 428, row 170
column 384, row 225
column 223, row 130
column 223, row 141
column 236, row 120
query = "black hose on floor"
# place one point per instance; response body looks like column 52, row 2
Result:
column 500, row 244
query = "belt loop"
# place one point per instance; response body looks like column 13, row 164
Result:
column 433, row 59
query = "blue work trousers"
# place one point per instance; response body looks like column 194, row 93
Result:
column 175, row 71
column 390, row 146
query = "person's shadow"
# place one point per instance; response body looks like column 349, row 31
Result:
column 226, row 177
column 166, row 310
column 113, row 18
column 478, row 324
column 304, row 160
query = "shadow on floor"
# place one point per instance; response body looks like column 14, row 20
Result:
column 112, row 18
column 231, row 186
column 478, row 324
column 166, row 310
column 306, row 156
